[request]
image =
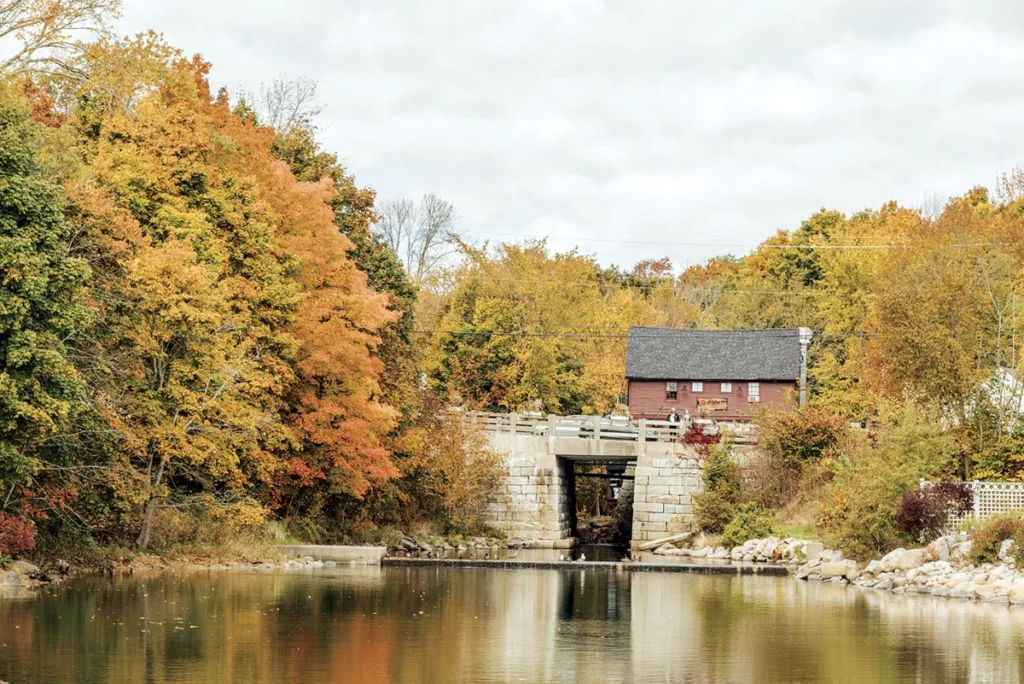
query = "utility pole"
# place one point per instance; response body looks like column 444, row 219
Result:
column 806, row 334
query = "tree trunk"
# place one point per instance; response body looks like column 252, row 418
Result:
column 142, row 541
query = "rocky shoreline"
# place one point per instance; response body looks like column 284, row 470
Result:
column 940, row 569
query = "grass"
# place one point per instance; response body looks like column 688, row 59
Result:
column 797, row 531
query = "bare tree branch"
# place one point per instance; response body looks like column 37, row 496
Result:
column 43, row 33
column 423, row 236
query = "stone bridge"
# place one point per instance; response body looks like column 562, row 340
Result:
column 538, row 503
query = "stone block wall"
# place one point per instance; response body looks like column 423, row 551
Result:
column 667, row 477
column 536, row 501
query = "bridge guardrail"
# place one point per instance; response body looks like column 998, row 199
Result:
column 594, row 427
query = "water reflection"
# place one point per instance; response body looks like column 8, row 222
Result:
column 487, row 625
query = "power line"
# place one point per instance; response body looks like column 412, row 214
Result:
column 669, row 332
column 720, row 244
column 614, row 285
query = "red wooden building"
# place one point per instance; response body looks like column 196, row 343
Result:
column 723, row 374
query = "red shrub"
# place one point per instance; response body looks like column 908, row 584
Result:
column 924, row 512
column 696, row 437
column 16, row 535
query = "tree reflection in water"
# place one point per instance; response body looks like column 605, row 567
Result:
column 480, row 625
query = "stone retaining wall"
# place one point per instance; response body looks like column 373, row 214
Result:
column 667, row 477
column 535, row 503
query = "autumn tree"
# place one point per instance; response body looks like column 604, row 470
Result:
column 47, row 35
column 41, row 291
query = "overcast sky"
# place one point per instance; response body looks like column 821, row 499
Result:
column 620, row 126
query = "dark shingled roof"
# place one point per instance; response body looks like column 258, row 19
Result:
column 672, row 354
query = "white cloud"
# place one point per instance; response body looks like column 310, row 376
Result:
column 652, row 121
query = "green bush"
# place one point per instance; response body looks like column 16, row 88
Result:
column 714, row 509
column 716, row 505
column 859, row 511
column 750, row 522
column 990, row 534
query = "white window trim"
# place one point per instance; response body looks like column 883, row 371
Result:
column 727, row 387
column 754, row 393
column 671, row 387
column 697, row 386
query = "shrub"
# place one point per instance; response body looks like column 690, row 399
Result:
column 990, row 534
column 449, row 469
column 713, row 510
column 789, row 442
column 924, row 513
column 750, row 522
column 859, row 510
column 698, row 437
column 716, row 505
column 17, row 536
column 802, row 436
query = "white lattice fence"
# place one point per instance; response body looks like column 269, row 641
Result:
column 990, row 498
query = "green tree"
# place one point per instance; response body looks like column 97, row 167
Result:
column 41, row 291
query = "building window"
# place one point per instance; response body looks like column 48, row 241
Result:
column 754, row 393
column 671, row 390
column 726, row 387
column 698, row 387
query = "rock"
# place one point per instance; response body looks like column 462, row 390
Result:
column 961, row 551
column 665, row 549
column 23, row 567
column 963, row 590
column 461, row 547
column 721, row 553
column 737, row 553
column 410, row 544
column 767, row 549
column 673, row 539
column 810, row 550
column 9, row 578
column 1006, row 551
column 834, row 569
column 873, row 568
column 938, row 549
column 802, row 572
column 1016, row 594
column 701, row 553
column 883, row 585
column 889, row 560
column 914, row 558
column 424, row 546
column 984, row 592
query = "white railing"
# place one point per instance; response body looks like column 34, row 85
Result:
column 990, row 498
column 595, row 427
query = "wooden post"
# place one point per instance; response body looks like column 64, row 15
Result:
column 596, row 421
column 513, row 421
column 552, row 424
column 642, row 434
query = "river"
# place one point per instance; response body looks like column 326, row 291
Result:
column 445, row 625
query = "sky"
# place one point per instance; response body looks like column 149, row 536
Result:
column 637, row 129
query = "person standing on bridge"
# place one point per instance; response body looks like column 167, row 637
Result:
column 673, row 417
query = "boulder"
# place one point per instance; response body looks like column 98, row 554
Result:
column 701, row 553
column 835, row 569
column 873, row 568
column 809, row 550
column 914, row 558
column 665, row 550
column 721, row 553
column 1006, row 551
column 889, row 560
column 23, row 567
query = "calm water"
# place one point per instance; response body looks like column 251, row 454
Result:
column 476, row 625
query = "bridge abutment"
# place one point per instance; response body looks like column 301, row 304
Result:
column 537, row 501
